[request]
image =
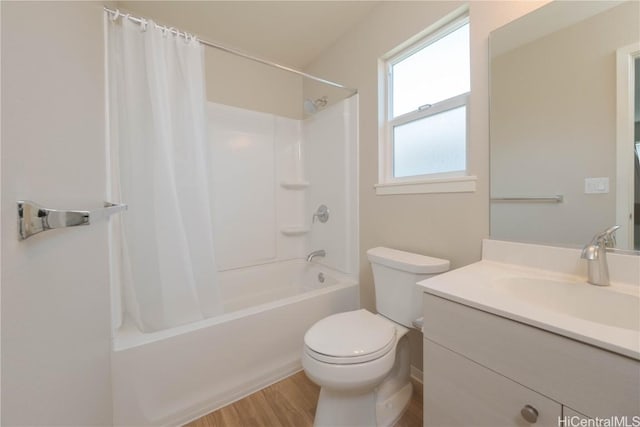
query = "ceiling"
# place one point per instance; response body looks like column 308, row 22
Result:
column 292, row 33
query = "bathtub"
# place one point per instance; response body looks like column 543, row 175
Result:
column 173, row 376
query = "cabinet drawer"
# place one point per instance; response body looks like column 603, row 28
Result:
column 459, row 392
column 595, row 382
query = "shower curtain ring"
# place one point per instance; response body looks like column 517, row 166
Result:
column 143, row 25
column 115, row 15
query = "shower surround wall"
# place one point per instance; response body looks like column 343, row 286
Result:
column 270, row 173
column 251, row 153
column 331, row 168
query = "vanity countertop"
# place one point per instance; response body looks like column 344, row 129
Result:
column 559, row 302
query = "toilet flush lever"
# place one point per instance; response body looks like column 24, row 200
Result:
column 322, row 213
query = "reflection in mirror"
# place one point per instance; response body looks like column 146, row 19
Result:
column 561, row 168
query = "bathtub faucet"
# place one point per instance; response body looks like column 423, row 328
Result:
column 314, row 254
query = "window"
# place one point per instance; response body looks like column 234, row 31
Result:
column 424, row 135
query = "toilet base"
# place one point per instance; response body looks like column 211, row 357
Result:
column 339, row 408
column 389, row 411
column 344, row 409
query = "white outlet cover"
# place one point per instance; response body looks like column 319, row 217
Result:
column 596, row 185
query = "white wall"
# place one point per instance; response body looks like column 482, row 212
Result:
column 448, row 226
column 230, row 79
column 239, row 82
column 55, row 286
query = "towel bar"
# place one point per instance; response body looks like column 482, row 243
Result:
column 34, row 219
column 544, row 199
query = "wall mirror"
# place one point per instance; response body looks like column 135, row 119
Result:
column 565, row 123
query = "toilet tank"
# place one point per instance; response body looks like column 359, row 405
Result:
column 395, row 274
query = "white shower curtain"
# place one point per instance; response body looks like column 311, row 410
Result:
column 162, row 249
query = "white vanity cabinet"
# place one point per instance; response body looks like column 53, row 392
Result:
column 481, row 369
column 459, row 392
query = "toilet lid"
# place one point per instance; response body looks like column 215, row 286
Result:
column 353, row 334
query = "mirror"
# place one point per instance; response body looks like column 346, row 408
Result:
column 564, row 159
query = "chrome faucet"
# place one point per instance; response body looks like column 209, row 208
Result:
column 312, row 255
column 596, row 255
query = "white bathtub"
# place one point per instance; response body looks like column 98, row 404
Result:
column 173, row 376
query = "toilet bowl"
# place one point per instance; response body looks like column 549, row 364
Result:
column 361, row 360
column 350, row 368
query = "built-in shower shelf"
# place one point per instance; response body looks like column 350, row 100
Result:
column 294, row 185
column 294, row 231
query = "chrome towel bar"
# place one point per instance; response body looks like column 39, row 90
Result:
column 544, row 199
column 34, row 219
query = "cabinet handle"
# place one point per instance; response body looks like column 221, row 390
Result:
column 529, row 413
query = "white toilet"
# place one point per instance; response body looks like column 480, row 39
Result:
column 361, row 360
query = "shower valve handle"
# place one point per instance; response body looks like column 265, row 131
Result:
column 322, row 213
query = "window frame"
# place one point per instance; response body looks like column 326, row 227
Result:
column 452, row 181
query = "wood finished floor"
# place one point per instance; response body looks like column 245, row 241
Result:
column 288, row 403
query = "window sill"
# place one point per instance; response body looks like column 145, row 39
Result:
column 462, row 184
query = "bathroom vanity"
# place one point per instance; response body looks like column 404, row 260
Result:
column 520, row 338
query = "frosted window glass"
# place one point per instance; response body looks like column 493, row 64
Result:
column 437, row 72
column 434, row 144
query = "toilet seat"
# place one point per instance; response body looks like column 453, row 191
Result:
column 352, row 359
column 349, row 338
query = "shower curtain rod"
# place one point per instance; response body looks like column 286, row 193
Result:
column 234, row 51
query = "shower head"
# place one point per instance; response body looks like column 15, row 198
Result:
column 312, row 107
column 309, row 107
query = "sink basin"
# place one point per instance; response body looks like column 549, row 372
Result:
column 604, row 305
column 545, row 287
